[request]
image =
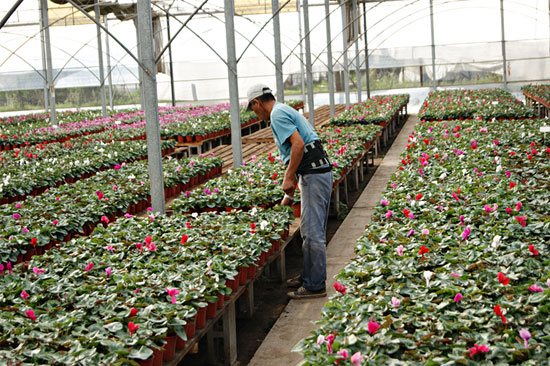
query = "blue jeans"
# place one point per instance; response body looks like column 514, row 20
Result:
column 315, row 191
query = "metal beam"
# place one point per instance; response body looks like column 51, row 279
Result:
column 100, row 59
column 278, row 57
column 356, row 41
column 329, row 62
column 503, row 42
column 433, row 44
column 49, row 67
column 309, row 72
column 44, row 66
column 302, row 72
column 154, row 155
column 109, row 70
column 345, row 54
column 171, row 62
column 234, row 107
column 366, row 49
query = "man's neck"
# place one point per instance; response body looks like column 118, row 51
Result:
column 269, row 106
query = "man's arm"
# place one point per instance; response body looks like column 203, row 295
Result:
column 296, row 154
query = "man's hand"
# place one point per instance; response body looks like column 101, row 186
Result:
column 287, row 202
column 289, row 184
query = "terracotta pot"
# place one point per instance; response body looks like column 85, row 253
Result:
column 189, row 138
column 211, row 310
column 243, row 273
column 147, row 362
column 158, row 355
column 252, row 271
column 219, row 304
column 180, row 343
column 169, row 348
column 190, row 328
column 276, row 245
column 200, row 318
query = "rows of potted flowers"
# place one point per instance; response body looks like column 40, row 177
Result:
column 43, row 119
column 258, row 183
column 38, row 223
column 454, row 267
column 133, row 292
column 467, row 103
column 377, row 109
column 56, row 163
column 540, row 93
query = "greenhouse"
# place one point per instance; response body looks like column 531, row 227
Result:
column 284, row 182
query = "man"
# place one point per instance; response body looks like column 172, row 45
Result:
column 308, row 165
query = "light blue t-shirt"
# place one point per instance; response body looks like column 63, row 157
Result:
column 285, row 120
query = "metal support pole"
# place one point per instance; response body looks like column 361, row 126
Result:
column 100, row 59
column 356, row 41
column 366, row 48
column 49, row 67
column 278, row 56
column 149, row 82
column 109, row 69
column 310, row 102
column 140, row 69
column 44, row 67
column 329, row 62
column 234, row 107
column 433, row 44
column 300, row 34
column 504, row 62
column 172, row 89
column 345, row 61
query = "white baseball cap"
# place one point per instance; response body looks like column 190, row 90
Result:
column 257, row 91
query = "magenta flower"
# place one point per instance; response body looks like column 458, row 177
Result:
column 535, row 288
column 55, row 222
column 384, row 202
column 466, row 232
column 389, row 214
column 399, row 250
column 108, row 270
column 38, row 271
column 117, row 167
column 115, row 188
column 24, row 295
column 172, row 293
column 16, row 216
column 458, row 297
column 30, row 315
column 522, row 220
column 455, row 275
column 519, row 205
column 18, row 205
column 149, row 209
column 344, row 354
column 411, row 233
column 8, row 266
column 478, row 349
column 373, row 327
column 206, row 191
column 216, row 190
column 151, row 246
column 461, row 218
column 128, row 215
column 508, row 174
column 330, row 340
column 89, row 267
column 340, row 288
column 525, row 335
column 110, row 248
column 455, row 196
column 99, row 195
column 25, row 230
column 357, row 358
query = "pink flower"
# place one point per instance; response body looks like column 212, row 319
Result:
column 508, row 174
column 411, row 233
column 110, row 248
column 399, row 250
column 330, row 340
column 389, row 213
column 55, row 222
column 458, row 297
column 522, row 220
column 340, row 288
column 395, row 302
column 115, row 188
column 384, row 202
column 455, row 196
column 373, row 327
column 24, row 295
column 344, row 354
column 508, row 210
column 57, row 199
column 150, row 209
column 30, row 315
column 128, row 215
column 108, row 270
column 320, row 339
column 548, row 282
column 535, row 288
column 17, row 205
column 172, row 293
column 461, row 218
column 357, row 358
column 99, row 195
column 519, row 205
column 454, row 275
column 425, row 231
column 89, row 267
column 152, row 247
column 466, row 232
column 117, row 167
column 16, row 216
column 525, row 335
column 25, row 230
column 105, row 219
column 478, row 349
column 38, row 271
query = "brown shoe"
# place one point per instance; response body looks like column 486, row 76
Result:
column 303, row 293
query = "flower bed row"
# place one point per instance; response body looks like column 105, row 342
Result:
column 454, row 267
column 467, row 103
column 377, row 109
column 31, row 171
column 40, row 222
column 133, row 291
column 259, row 182
column 540, row 93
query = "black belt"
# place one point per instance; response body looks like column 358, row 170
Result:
column 315, row 160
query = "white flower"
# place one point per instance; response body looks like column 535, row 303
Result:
column 499, row 168
column 263, row 224
column 496, row 241
column 443, row 176
column 427, row 276
column 253, row 211
column 195, row 215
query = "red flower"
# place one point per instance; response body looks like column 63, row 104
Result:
column 423, row 250
column 512, row 185
column 418, row 196
column 148, row 240
column 184, row 239
column 521, row 220
column 133, row 312
column 503, row 279
column 33, row 242
column 406, row 212
column 533, row 250
column 132, row 327
column 340, row 288
column 498, row 312
column 188, row 225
